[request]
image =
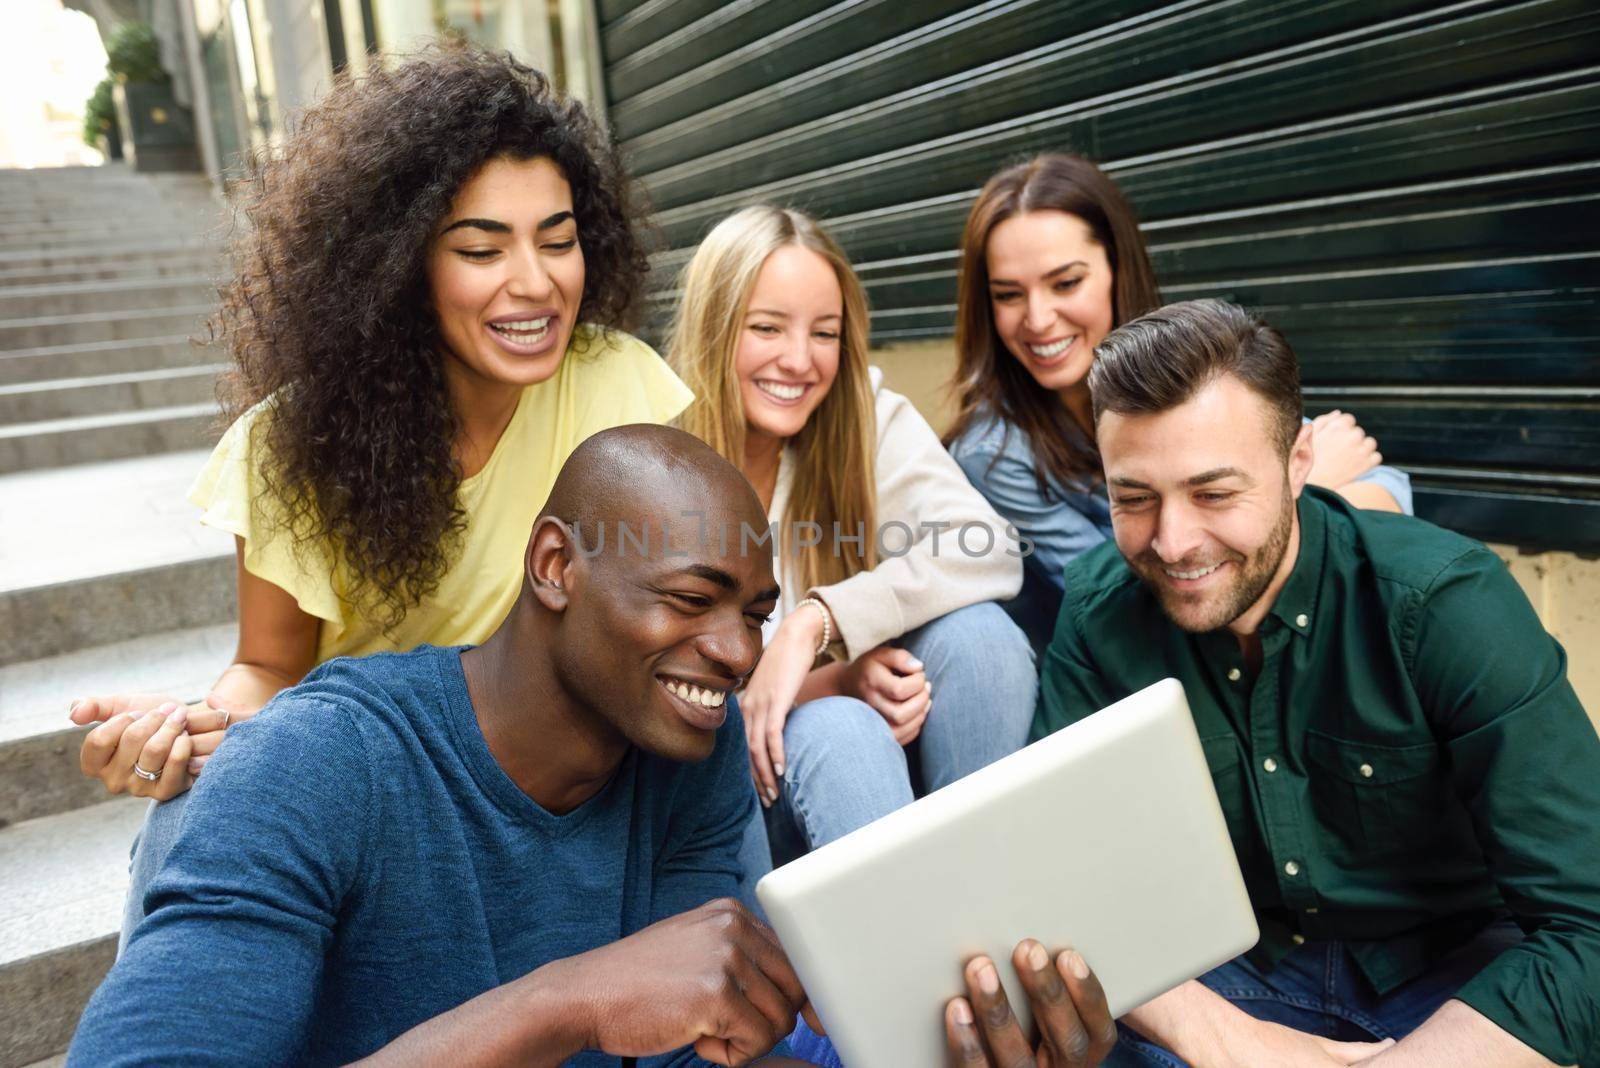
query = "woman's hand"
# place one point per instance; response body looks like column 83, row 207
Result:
column 145, row 754
column 157, row 735
column 1341, row 451
column 892, row 681
column 769, row 696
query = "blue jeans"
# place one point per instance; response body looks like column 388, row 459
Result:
column 1318, row 989
column 149, row 852
column 842, row 767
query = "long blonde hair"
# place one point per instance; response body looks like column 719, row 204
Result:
column 834, row 481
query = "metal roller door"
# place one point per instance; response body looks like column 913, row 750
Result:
column 1411, row 190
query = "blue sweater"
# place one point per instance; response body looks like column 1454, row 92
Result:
column 354, row 862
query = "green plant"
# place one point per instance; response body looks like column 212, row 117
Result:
column 99, row 114
column 133, row 54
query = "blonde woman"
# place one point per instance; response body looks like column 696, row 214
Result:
column 889, row 560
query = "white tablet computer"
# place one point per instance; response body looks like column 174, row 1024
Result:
column 1106, row 837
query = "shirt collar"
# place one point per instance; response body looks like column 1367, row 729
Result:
column 1296, row 606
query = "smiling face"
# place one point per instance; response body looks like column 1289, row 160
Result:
column 789, row 344
column 653, row 643
column 1050, row 291
column 506, row 274
column 1203, row 506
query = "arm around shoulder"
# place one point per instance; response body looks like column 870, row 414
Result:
column 247, row 903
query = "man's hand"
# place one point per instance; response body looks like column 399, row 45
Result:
column 1270, row 1043
column 1208, row 1031
column 892, row 681
column 1069, row 1012
column 714, row 977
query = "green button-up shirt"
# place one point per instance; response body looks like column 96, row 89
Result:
column 1409, row 762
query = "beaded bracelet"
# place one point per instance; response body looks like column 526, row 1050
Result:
column 827, row 622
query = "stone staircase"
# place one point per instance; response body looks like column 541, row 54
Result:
column 107, row 582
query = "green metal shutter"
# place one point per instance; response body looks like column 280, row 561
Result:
column 1410, row 190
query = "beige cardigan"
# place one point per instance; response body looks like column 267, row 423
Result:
column 918, row 482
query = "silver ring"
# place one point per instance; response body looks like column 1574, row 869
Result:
column 147, row 776
column 227, row 714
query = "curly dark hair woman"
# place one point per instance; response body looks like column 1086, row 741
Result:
column 330, row 300
column 431, row 281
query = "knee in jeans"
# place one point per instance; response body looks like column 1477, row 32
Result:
column 982, row 630
column 828, row 725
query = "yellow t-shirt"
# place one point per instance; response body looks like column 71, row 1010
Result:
column 606, row 380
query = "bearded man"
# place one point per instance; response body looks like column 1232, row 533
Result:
column 1411, row 786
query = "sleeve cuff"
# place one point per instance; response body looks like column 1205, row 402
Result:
column 1533, row 1002
column 865, row 612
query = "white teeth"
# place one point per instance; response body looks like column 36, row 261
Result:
column 781, row 391
column 1202, row 573
column 525, row 330
column 1055, row 348
column 694, row 694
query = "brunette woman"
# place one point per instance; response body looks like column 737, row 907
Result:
column 1051, row 261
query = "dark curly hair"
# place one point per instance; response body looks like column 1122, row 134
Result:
column 328, row 314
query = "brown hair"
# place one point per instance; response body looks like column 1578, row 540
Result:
column 1160, row 360
column 988, row 380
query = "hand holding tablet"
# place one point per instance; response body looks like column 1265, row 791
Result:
column 1105, row 838
column 1068, row 1007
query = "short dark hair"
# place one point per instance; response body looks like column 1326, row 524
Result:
column 1158, row 361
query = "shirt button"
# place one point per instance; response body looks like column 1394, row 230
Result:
column 1301, row 620
column 1298, row 939
column 1233, row 674
column 1366, row 771
column 1270, row 765
column 1291, row 868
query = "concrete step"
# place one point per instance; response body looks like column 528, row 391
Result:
column 24, row 185
column 140, row 324
column 87, row 439
column 79, row 210
column 91, row 172
column 122, row 294
column 141, row 232
column 39, row 773
column 206, row 264
column 107, row 552
column 65, row 398
column 103, row 357
column 106, row 253
column 58, row 191
column 62, row 880
column 61, row 194
column 47, row 226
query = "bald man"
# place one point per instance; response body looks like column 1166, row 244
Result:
column 522, row 853
column 508, row 854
